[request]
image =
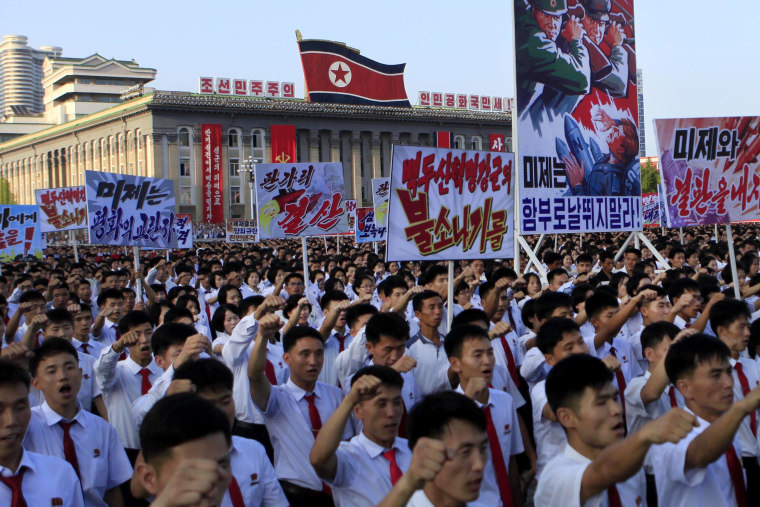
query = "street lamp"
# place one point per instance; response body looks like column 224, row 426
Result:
column 248, row 166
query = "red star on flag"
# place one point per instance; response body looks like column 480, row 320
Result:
column 340, row 73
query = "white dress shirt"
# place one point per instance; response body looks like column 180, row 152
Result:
column 747, row 440
column 254, row 474
column 47, row 481
column 363, row 475
column 419, row 499
column 636, row 413
column 94, row 347
column 560, row 484
column 550, row 436
column 329, row 374
column 108, row 333
column 121, row 384
column 354, row 356
column 103, row 464
column 432, row 364
column 287, row 419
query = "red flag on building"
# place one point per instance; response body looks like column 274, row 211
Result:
column 336, row 73
column 496, row 142
column 283, row 143
column 443, row 139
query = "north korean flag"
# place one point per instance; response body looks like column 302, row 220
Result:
column 338, row 74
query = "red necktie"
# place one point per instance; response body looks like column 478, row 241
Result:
column 396, row 472
column 737, row 477
column 672, row 394
column 316, row 421
column 511, row 318
column 146, row 385
column 269, row 372
column 745, row 391
column 497, row 457
column 613, row 497
column 85, row 348
column 620, row 382
column 14, row 483
column 511, row 366
column 342, row 339
column 69, row 451
column 236, row 496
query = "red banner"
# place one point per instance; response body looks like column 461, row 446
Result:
column 496, row 141
column 283, row 143
column 213, row 183
column 443, row 139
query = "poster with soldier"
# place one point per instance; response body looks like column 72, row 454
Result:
column 577, row 116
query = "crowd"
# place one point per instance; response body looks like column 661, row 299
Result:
column 224, row 376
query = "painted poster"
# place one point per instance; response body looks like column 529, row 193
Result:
column 450, row 204
column 62, row 209
column 380, row 196
column 350, row 205
column 577, row 115
column 241, row 230
column 650, row 204
column 367, row 229
column 710, row 169
column 183, row 224
column 130, row 210
column 213, row 181
column 20, row 233
column 296, row 200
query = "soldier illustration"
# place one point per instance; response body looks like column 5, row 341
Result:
column 553, row 64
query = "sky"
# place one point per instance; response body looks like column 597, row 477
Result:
column 695, row 55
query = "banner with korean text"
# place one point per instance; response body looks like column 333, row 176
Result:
column 577, row 117
column 20, row 233
column 710, row 169
column 296, row 200
column 367, row 229
column 62, row 209
column 450, row 204
column 130, row 210
column 240, row 230
column 213, row 181
column 350, row 205
column 650, row 205
column 380, row 196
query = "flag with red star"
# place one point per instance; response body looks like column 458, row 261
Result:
column 336, row 73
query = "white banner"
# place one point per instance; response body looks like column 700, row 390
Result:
column 62, row 209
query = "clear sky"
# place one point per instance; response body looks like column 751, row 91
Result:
column 696, row 55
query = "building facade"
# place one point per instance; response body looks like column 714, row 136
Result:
column 21, row 75
column 158, row 135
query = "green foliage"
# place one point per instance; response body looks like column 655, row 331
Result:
column 6, row 196
column 650, row 178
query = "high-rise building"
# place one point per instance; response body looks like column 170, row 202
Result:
column 21, row 75
column 642, row 124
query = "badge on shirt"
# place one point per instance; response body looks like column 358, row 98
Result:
column 56, row 501
column 506, row 429
column 96, row 453
column 254, row 479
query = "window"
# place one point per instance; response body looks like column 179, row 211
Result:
column 458, row 142
column 186, row 195
column 233, row 138
column 184, row 137
column 258, row 147
column 234, row 194
column 476, row 143
column 234, row 167
column 184, row 167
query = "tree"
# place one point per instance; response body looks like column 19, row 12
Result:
column 650, row 178
column 6, row 196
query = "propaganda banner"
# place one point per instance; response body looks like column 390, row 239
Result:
column 450, row 204
column 241, row 230
column 20, row 233
column 367, row 230
column 130, row 210
column 380, row 196
column 350, row 205
column 62, row 209
column 577, row 115
column 213, row 182
column 296, row 200
column 183, row 225
column 650, row 205
column 709, row 168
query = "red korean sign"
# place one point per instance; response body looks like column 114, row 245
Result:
column 62, row 209
column 213, row 182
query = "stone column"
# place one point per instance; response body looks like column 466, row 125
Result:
column 356, row 164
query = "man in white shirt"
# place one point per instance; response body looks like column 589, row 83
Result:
column 449, row 440
column 426, row 347
column 294, row 412
column 59, row 427
column 334, row 332
column 28, row 478
column 597, row 466
column 365, row 469
column 704, row 468
column 83, row 340
column 105, row 328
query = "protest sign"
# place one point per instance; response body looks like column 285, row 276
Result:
column 20, row 232
column 367, row 230
column 62, row 209
column 211, row 157
column 350, row 205
column 450, row 204
column 300, row 200
column 380, row 196
column 241, row 230
column 577, row 116
column 183, row 224
column 650, row 204
column 130, row 210
column 709, row 168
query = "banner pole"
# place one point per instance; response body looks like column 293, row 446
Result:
column 450, row 303
column 325, row 238
column 138, row 281
column 717, row 234
column 73, row 240
column 374, row 243
column 305, row 260
column 337, row 238
column 732, row 257
column 681, row 233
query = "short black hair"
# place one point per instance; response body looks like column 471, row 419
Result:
column 297, row 333
column 59, row 315
column 551, row 275
column 217, row 321
column 154, row 310
column 11, row 374
column 109, row 294
column 169, row 334
column 680, row 286
column 393, row 282
column 430, row 416
column 570, row 377
column 206, row 374
column 353, row 312
column 685, row 355
column 387, row 375
column 547, row 303
column 31, row 295
column 552, row 331
column 469, row 316
column 584, row 257
column 653, row 334
column 330, row 296
column 132, row 320
column 431, row 273
column 246, row 304
column 51, row 347
column 420, row 298
column 177, row 419
column 598, row 302
column 458, row 335
column 386, row 323
column 175, row 313
column 726, row 311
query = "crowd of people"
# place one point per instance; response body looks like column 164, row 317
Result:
column 225, row 376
